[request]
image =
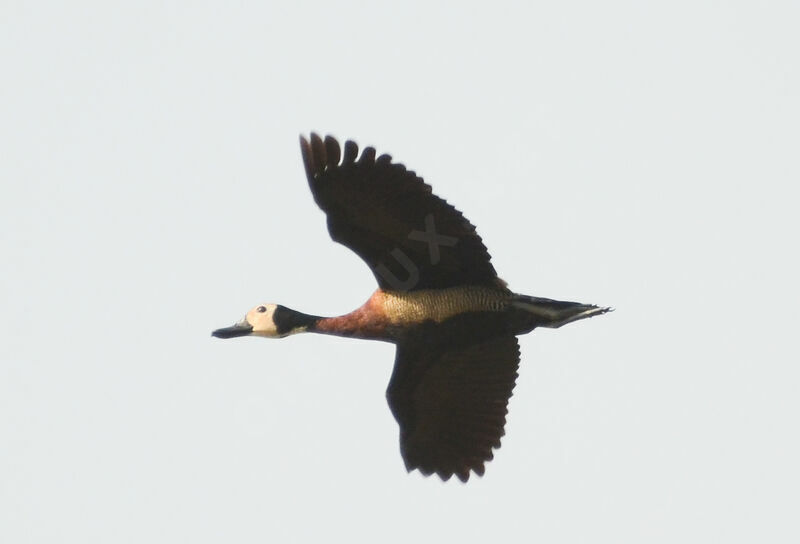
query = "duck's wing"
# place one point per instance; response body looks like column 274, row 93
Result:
column 450, row 399
column 410, row 238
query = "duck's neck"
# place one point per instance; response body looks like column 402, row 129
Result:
column 288, row 321
column 367, row 322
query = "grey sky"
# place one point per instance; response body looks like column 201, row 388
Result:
column 627, row 154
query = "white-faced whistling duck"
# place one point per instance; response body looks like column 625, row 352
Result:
column 439, row 299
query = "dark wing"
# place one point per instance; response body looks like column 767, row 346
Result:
column 451, row 403
column 410, row 238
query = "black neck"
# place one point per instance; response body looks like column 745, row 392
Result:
column 286, row 320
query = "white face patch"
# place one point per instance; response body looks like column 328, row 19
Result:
column 261, row 318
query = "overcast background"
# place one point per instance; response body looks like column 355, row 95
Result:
column 638, row 155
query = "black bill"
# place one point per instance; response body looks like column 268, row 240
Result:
column 240, row 329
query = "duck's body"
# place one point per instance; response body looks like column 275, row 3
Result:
column 388, row 313
column 439, row 300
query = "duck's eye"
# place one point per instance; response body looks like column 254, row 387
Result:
column 261, row 309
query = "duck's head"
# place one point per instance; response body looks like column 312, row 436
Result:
column 268, row 320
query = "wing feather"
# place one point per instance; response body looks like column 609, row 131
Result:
column 409, row 237
column 451, row 402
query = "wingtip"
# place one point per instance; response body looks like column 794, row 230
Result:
column 462, row 474
column 309, row 138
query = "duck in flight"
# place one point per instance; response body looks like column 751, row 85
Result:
column 439, row 300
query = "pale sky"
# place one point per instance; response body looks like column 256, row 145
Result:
column 636, row 155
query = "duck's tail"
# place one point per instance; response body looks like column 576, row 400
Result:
column 555, row 313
